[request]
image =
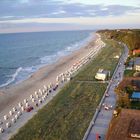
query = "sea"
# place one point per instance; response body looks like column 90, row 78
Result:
column 21, row 54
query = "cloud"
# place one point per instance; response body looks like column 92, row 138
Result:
column 103, row 2
column 81, row 20
column 58, row 12
column 59, row 9
column 55, row 25
column 73, row 12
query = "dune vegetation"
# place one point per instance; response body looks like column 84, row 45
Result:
column 128, row 36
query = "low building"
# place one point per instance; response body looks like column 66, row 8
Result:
column 135, row 96
column 130, row 65
column 101, row 75
column 136, row 52
column 134, row 128
column 137, row 64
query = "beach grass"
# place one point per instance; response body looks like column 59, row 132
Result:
column 69, row 113
column 104, row 60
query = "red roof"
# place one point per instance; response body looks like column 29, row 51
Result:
column 136, row 51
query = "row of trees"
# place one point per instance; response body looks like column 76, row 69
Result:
column 123, row 96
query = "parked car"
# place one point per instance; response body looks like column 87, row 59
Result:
column 106, row 108
column 107, row 95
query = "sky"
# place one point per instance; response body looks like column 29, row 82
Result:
column 52, row 15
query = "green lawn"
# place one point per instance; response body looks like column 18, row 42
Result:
column 68, row 115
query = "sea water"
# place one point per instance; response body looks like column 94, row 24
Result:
column 21, row 54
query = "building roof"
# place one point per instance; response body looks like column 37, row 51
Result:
column 121, row 127
column 136, row 51
column 130, row 81
column 101, row 74
column 134, row 127
column 102, row 71
column 136, row 95
column 137, row 61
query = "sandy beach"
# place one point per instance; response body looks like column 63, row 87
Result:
column 12, row 95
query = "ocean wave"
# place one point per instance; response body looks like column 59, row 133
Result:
column 54, row 57
column 13, row 77
column 48, row 59
column 20, row 75
column 23, row 73
column 30, row 69
column 79, row 44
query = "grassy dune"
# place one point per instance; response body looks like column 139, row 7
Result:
column 68, row 115
column 104, row 60
column 131, row 37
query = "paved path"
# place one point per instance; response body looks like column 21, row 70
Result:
column 100, row 123
column 93, row 82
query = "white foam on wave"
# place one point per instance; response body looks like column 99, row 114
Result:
column 69, row 49
column 29, row 69
column 13, row 77
column 79, row 44
column 48, row 59
column 22, row 74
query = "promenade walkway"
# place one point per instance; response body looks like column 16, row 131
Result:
column 102, row 117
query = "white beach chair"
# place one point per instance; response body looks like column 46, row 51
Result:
column 36, row 93
column 19, row 113
column 8, row 124
column 16, row 116
column 27, row 104
column 13, row 120
column 5, row 117
column 1, row 130
column 31, row 96
column 37, row 96
column 40, row 101
column 20, row 104
column 22, row 108
column 45, row 87
column 25, row 101
column 40, row 91
column 33, row 100
column 14, row 109
column 10, row 113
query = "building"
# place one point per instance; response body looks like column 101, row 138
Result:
column 126, row 126
column 101, row 74
column 134, row 128
column 136, row 52
column 137, row 64
column 130, row 65
column 135, row 96
column 117, row 56
column 133, row 82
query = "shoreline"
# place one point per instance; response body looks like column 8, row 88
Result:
column 44, row 76
column 12, row 80
column 43, row 71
